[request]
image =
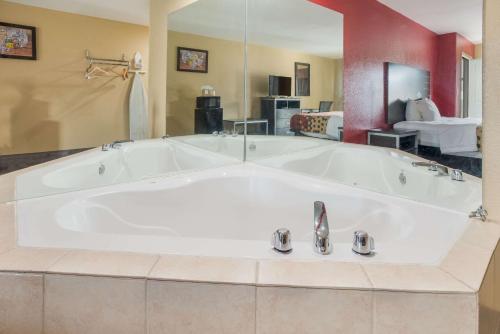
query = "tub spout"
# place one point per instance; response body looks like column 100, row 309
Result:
column 321, row 233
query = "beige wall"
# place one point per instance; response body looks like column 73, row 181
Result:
column 264, row 61
column 158, row 37
column 225, row 74
column 47, row 104
column 491, row 104
column 478, row 51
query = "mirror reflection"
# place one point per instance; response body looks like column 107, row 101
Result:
column 295, row 69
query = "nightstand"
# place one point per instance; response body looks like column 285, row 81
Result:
column 399, row 139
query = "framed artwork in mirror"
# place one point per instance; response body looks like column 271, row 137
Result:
column 17, row 41
column 302, row 79
column 192, row 60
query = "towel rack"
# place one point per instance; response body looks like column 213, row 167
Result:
column 93, row 71
column 103, row 61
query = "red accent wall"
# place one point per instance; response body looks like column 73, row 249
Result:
column 374, row 34
column 447, row 81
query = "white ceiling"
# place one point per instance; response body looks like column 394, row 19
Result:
column 292, row 24
column 132, row 11
column 440, row 16
column 444, row 16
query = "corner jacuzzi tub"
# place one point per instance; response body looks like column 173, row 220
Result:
column 130, row 162
column 231, row 212
column 258, row 147
column 384, row 171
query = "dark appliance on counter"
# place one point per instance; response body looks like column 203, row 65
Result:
column 208, row 115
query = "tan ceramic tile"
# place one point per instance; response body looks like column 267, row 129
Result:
column 413, row 278
column 487, row 289
column 480, row 234
column 87, row 305
column 7, row 227
column 29, row 259
column 205, row 269
column 312, row 274
column 8, row 186
column 424, row 313
column 185, row 307
column 105, row 263
column 21, row 303
column 467, row 263
column 318, row 311
column 496, row 279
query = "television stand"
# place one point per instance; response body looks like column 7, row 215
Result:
column 278, row 111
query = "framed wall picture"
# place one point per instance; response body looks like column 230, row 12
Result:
column 302, row 79
column 17, row 41
column 192, row 60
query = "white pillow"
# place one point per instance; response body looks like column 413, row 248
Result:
column 412, row 111
column 428, row 110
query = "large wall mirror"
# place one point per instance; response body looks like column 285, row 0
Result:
column 295, row 70
column 289, row 84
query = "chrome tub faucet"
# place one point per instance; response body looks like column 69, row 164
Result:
column 432, row 166
column 115, row 145
column 321, row 233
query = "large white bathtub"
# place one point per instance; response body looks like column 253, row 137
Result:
column 258, row 147
column 384, row 171
column 130, row 162
column 232, row 211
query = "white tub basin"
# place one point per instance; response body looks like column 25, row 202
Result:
column 381, row 170
column 131, row 162
column 232, row 211
column 257, row 146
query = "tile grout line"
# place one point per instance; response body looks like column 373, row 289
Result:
column 146, row 327
column 257, row 268
column 372, row 297
column 43, row 302
column 363, row 269
column 146, row 282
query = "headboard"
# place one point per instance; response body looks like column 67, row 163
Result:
column 401, row 84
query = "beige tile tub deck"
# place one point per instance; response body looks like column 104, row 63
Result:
column 21, row 303
column 205, row 269
column 318, row 311
column 7, row 227
column 185, row 308
column 84, row 262
column 314, row 274
column 467, row 263
column 94, row 305
column 424, row 313
column 415, row 278
column 23, row 259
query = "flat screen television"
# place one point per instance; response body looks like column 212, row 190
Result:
column 280, row 86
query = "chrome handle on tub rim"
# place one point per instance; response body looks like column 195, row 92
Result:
column 362, row 243
column 282, row 240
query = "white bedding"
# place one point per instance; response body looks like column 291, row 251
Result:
column 335, row 121
column 450, row 134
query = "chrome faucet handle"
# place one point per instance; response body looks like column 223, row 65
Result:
column 105, row 147
column 362, row 243
column 321, row 231
column 282, row 240
column 480, row 213
column 433, row 166
column 457, row 175
column 118, row 143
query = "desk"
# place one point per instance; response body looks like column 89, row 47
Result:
column 235, row 122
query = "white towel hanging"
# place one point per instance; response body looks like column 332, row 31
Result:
column 138, row 110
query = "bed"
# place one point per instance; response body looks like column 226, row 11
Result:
column 323, row 125
column 448, row 134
